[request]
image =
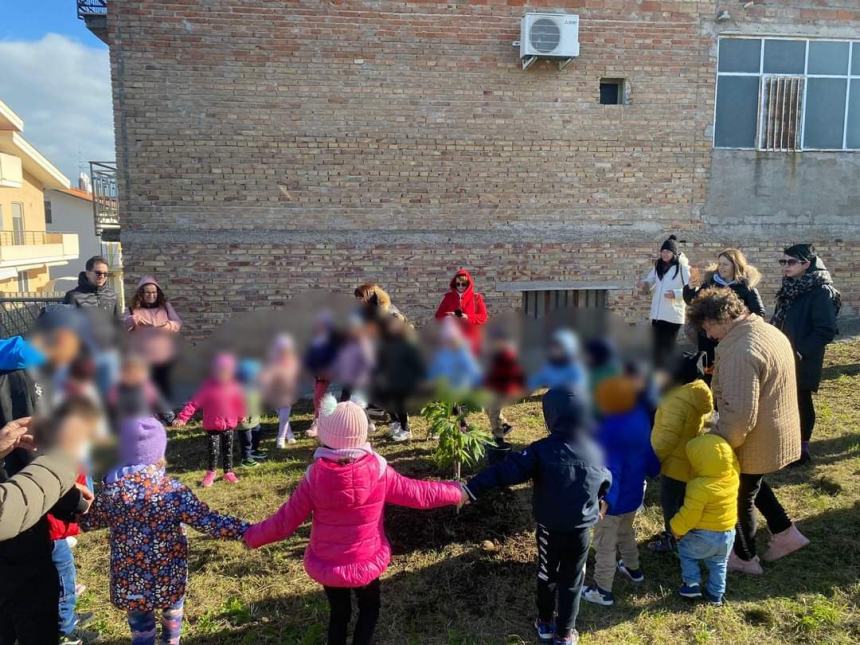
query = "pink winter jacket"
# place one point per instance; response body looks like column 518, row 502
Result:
column 348, row 547
column 223, row 405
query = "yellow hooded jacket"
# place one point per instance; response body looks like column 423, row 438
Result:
column 679, row 418
column 711, row 501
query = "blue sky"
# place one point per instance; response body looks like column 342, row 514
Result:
column 56, row 77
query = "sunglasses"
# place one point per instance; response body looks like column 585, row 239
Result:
column 461, row 283
column 100, row 274
column 791, row 262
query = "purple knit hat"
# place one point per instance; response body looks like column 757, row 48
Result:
column 142, row 441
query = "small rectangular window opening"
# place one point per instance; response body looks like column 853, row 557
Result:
column 612, row 91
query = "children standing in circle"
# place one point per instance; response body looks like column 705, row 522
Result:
column 279, row 380
column 223, row 404
column 345, row 491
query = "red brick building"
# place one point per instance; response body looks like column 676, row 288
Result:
column 267, row 147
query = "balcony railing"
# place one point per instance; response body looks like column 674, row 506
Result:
column 105, row 199
column 21, row 249
column 29, row 238
column 18, row 313
column 87, row 8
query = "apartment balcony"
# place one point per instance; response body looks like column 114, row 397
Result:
column 20, row 250
column 94, row 15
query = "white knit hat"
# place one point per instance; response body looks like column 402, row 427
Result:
column 342, row 425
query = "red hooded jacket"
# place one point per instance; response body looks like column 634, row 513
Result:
column 471, row 303
column 57, row 528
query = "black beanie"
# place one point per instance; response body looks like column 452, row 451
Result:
column 670, row 245
column 689, row 367
column 803, row 252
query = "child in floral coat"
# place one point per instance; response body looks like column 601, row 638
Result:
column 145, row 510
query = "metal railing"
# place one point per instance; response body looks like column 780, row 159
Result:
column 91, row 8
column 29, row 238
column 18, row 313
column 105, row 196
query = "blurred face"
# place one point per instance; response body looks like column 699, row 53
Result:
column 224, row 374
column 98, row 275
column 666, row 255
column 134, row 373
column 716, row 330
column 461, row 283
column 60, row 347
column 792, row 267
column 149, row 294
column 556, row 352
column 725, row 268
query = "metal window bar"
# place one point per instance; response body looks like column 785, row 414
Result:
column 781, row 107
column 18, row 313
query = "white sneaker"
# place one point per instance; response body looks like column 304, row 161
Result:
column 72, row 541
column 394, row 429
column 291, row 440
column 403, row 435
column 371, row 427
column 280, row 443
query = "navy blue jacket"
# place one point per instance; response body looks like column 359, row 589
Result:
column 566, row 468
column 626, row 441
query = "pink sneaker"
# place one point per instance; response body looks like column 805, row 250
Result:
column 781, row 544
column 750, row 567
column 230, row 477
column 208, row 479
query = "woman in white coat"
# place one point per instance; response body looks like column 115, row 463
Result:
column 666, row 281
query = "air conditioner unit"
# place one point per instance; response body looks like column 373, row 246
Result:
column 549, row 35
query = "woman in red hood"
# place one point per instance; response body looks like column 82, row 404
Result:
column 467, row 306
column 153, row 325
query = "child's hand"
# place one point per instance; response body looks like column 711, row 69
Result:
column 464, row 498
column 604, row 507
column 86, row 495
column 178, row 423
column 676, row 536
column 243, row 420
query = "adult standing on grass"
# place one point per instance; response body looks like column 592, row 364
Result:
column 731, row 271
column 153, row 325
column 666, row 282
column 755, row 391
column 466, row 306
column 806, row 308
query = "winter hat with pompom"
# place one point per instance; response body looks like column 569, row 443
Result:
column 342, row 425
column 671, row 244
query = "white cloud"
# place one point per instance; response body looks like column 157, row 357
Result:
column 61, row 89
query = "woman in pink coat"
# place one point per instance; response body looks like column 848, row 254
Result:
column 345, row 490
column 153, row 325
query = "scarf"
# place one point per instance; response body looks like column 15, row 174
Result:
column 343, row 454
column 793, row 288
column 718, row 279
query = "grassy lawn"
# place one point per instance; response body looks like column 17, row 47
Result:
column 469, row 578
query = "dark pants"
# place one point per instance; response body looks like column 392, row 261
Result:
column 664, row 336
column 246, row 441
column 397, row 410
column 672, row 494
column 561, row 572
column 807, row 414
column 30, row 615
column 161, row 379
column 345, row 394
column 225, row 439
column 340, row 602
column 754, row 493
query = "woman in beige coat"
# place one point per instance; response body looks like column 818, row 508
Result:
column 755, row 393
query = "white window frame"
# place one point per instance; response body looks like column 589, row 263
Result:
column 848, row 77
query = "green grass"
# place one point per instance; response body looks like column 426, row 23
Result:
column 447, row 584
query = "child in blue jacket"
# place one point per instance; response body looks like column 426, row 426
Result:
column 625, row 435
column 562, row 367
column 569, row 478
column 454, row 361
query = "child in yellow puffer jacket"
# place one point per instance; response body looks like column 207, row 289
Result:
column 705, row 525
column 680, row 417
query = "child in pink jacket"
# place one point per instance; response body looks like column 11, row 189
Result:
column 223, row 403
column 345, row 490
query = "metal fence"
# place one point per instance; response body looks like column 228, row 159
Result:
column 29, row 238
column 91, row 8
column 18, row 313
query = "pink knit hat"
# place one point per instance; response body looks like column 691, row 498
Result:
column 342, row 425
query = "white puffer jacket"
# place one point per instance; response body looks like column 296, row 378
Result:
column 661, row 307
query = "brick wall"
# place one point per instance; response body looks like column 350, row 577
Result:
column 270, row 146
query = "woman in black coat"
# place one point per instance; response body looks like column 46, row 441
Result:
column 806, row 308
column 733, row 271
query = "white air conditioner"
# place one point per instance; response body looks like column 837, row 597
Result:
column 549, row 35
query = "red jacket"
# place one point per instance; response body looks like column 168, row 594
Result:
column 60, row 530
column 471, row 303
column 505, row 375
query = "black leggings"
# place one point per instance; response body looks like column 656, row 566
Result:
column 672, row 492
column 754, row 493
column 226, row 440
column 397, row 410
column 561, row 572
column 161, row 379
column 664, row 336
column 807, row 414
column 340, row 602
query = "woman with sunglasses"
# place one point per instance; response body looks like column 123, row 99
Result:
column 466, row 306
column 806, row 308
column 153, row 324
